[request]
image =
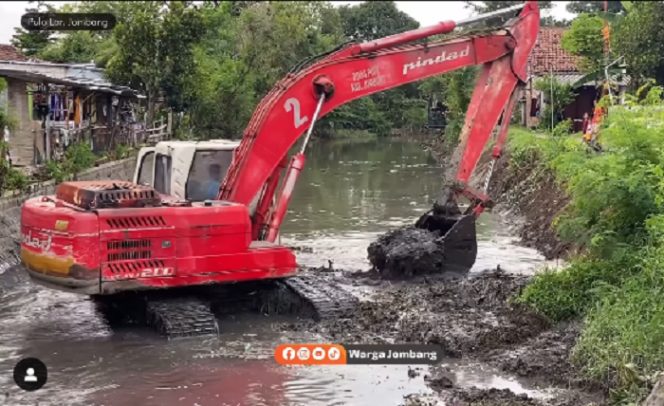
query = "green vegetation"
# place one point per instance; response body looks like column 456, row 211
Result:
column 561, row 95
column 616, row 218
column 10, row 178
column 77, row 158
column 213, row 63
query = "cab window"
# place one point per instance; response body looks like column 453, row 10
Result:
column 207, row 173
column 162, row 174
column 145, row 171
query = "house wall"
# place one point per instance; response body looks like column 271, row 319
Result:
column 574, row 111
column 25, row 139
column 582, row 104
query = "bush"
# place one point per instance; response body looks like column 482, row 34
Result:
column 78, row 157
column 616, row 214
column 623, row 342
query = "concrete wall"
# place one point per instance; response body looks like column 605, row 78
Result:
column 10, row 206
column 22, row 140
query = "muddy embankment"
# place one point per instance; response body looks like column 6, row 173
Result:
column 530, row 199
column 471, row 317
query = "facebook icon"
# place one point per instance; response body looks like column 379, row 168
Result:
column 289, row 353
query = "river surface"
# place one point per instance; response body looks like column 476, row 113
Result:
column 347, row 195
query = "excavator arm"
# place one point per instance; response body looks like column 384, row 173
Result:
column 357, row 70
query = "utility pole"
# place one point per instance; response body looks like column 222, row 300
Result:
column 607, row 48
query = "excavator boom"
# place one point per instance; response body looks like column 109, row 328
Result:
column 357, row 70
column 112, row 239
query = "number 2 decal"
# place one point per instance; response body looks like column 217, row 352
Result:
column 294, row 104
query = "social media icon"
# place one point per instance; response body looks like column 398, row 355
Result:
column 333, row 353
column 303, row 354
column 318, row 354
column 30, row 374
column 288, row 353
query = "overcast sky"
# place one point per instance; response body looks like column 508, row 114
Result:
column 426, row 12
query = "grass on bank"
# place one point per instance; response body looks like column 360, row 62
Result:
column 617, row 215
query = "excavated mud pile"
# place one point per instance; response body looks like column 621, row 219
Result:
column 471, row 318
column 490, row 397
column 546, row 354
column 463, row 315
column 405, row 252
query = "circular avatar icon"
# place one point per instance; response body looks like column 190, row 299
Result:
column 30, row 374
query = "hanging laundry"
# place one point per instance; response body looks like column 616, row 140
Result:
column 534, row 107
column 51, row 116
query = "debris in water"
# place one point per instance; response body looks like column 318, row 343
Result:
column 438, row 381
column 413, row 373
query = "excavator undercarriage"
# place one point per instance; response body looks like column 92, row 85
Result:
column 179, row 261
column 195, row 311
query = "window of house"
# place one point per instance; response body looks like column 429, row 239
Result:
column 207, row 173
column 162, row 174
column 146, row 169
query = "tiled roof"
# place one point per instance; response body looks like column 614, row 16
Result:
column 9, row 53
column 548, row 55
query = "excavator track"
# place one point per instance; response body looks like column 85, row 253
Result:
column 310, row 296
column 181, row 317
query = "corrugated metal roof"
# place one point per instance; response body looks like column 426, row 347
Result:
column 573, row 77
column 97, row 84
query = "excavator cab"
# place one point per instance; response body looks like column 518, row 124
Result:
column 186, row 170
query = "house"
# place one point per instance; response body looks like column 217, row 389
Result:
column 548, row 58
column 56, row 104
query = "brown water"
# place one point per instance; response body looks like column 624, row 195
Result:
column 347, row 195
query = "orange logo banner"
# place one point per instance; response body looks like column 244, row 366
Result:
column 310, row 354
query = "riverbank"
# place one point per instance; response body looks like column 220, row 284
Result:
column 603, row 214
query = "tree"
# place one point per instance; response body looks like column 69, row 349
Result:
column 481, row 7
column 454, row 90
column 374, row 19
column 155, row 52
column 584, row 40
column 393, row 108
column 224, row 90
column 581, row 7
column 639, row 37
column 549, row 21
column 31, row 43
column 77, row 47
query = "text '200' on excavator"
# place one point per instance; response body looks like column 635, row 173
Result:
column 105, row 238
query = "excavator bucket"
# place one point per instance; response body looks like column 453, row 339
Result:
column 459, row 238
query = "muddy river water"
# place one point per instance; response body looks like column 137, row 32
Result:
column 347, row 195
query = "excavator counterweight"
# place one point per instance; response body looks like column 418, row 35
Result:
column 112, row 238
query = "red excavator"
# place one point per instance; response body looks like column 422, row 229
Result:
column 109, row 237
